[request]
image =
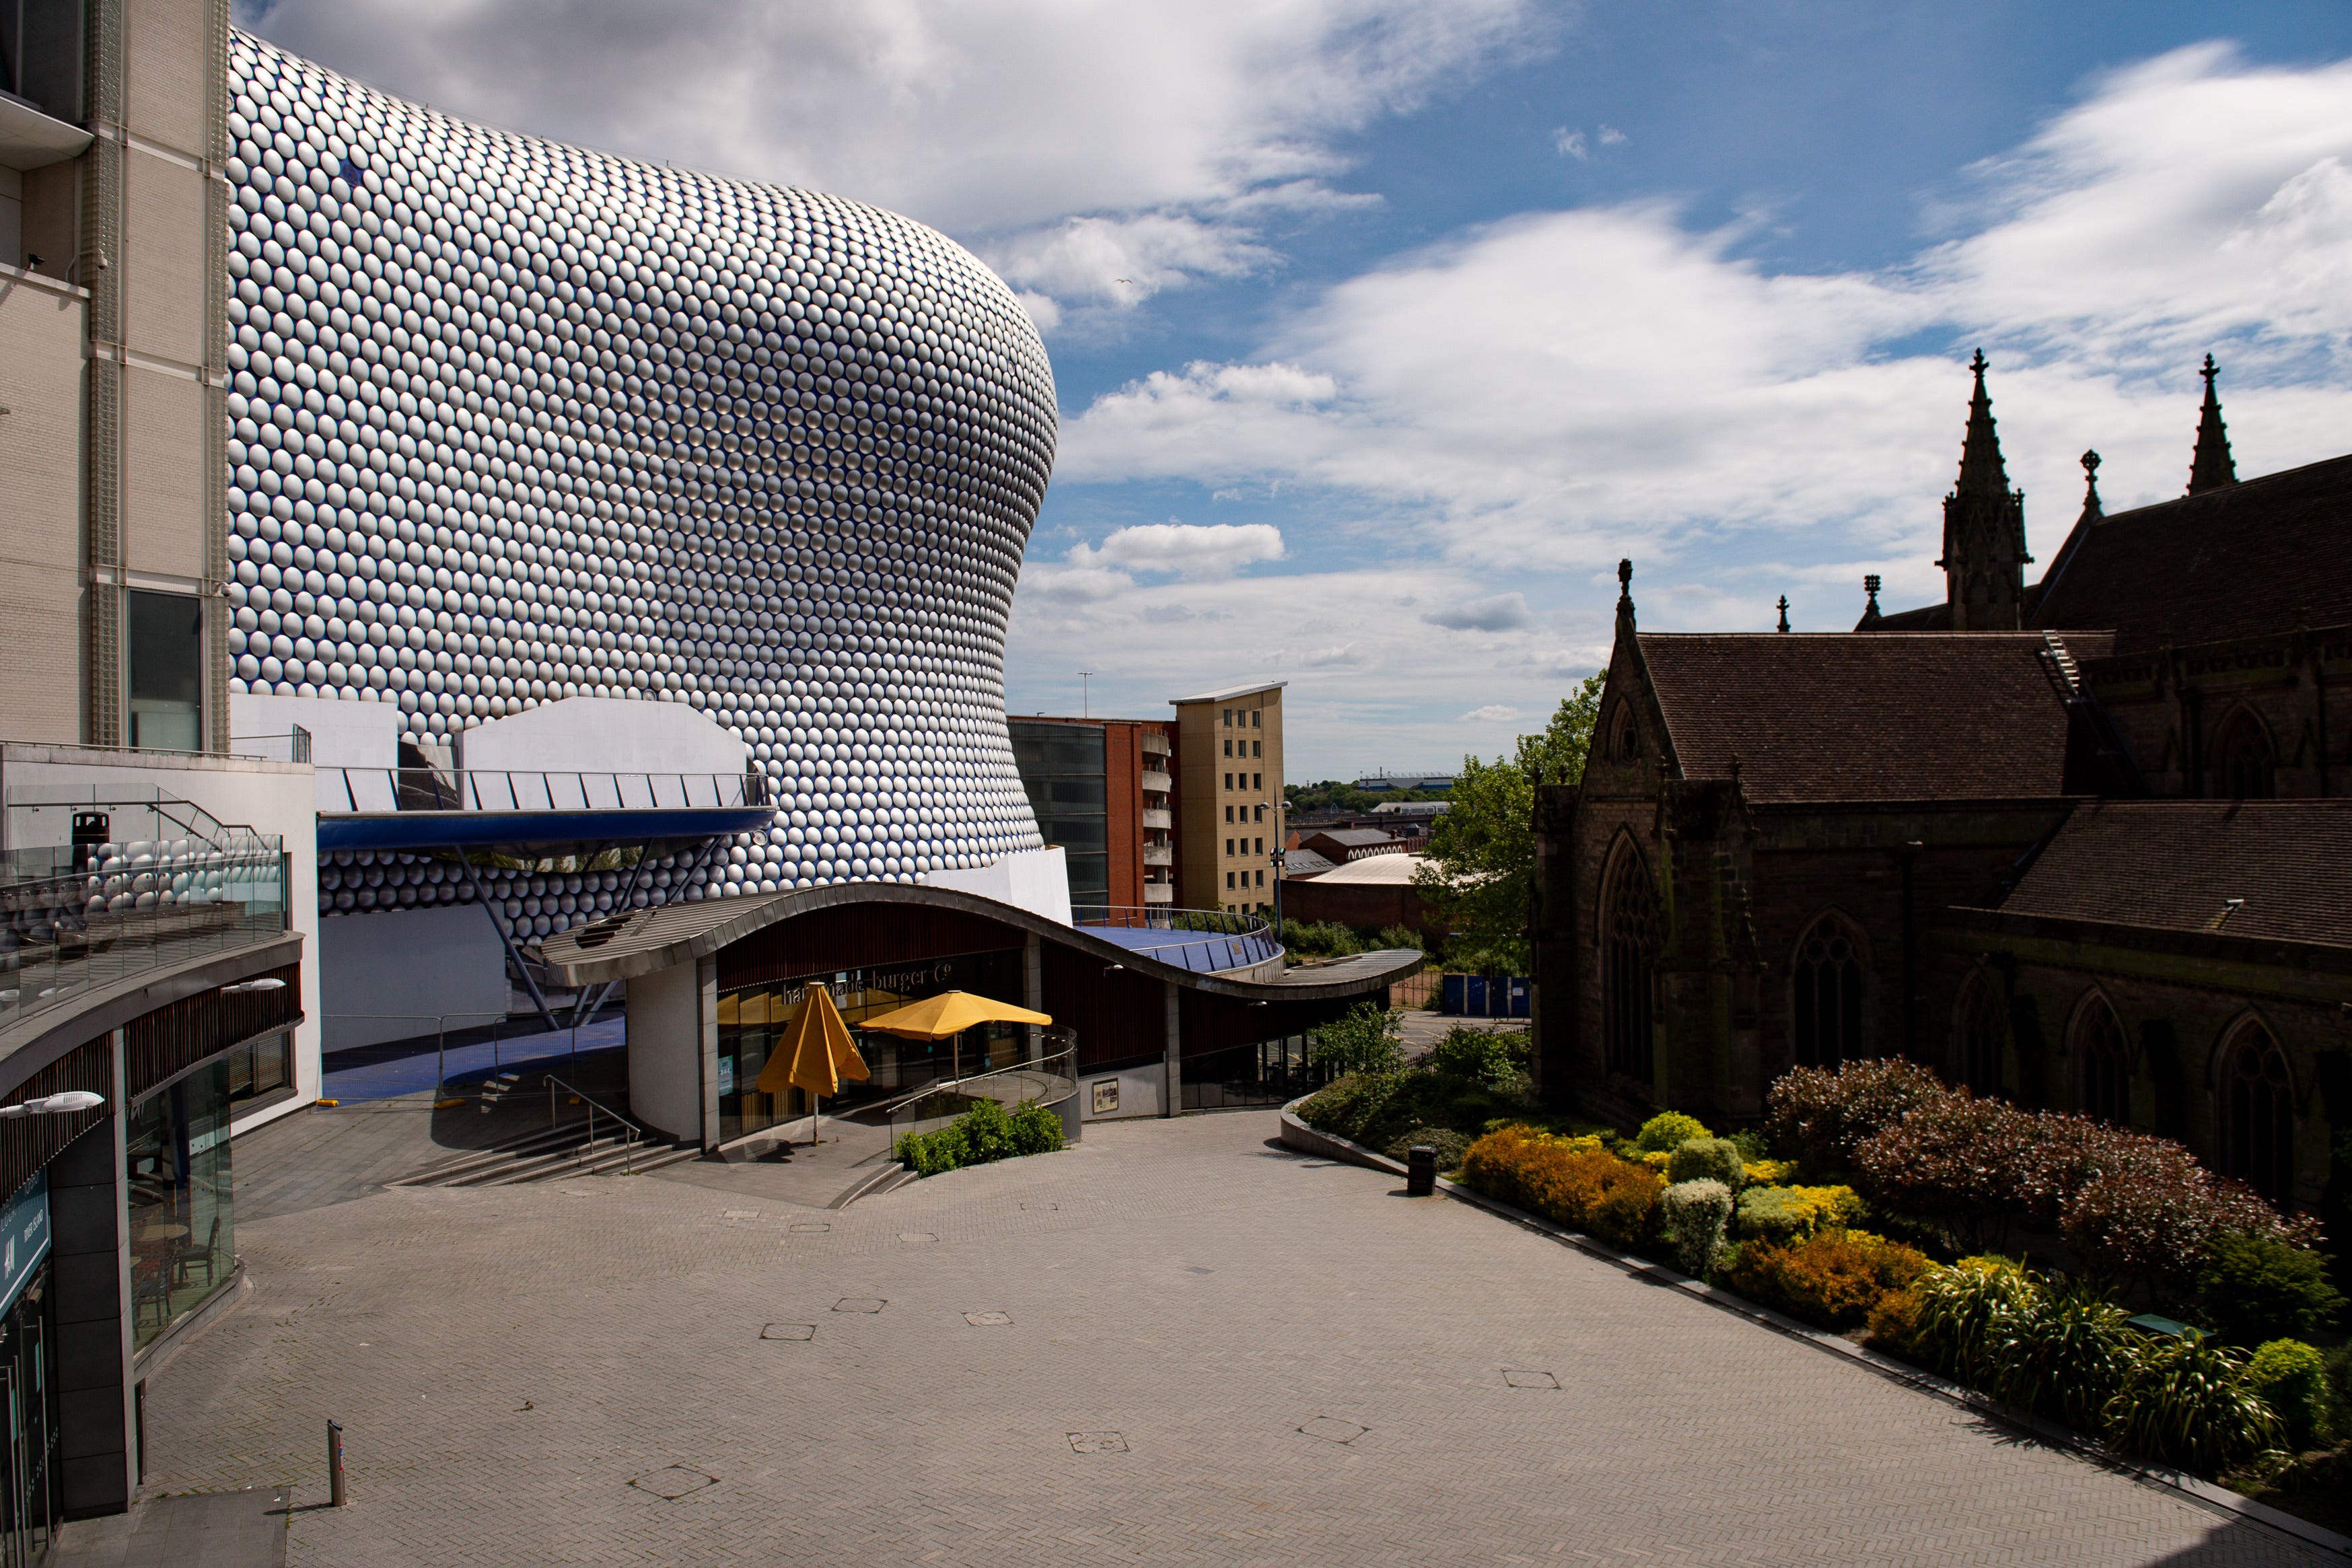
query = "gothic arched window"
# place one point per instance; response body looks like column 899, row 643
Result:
column 1624, row 735
column 1981, row 1036
column 1826, row 1014
column 1629, row 945
column 2245, row 767
column 2257, row 1096
column 2102, row 1064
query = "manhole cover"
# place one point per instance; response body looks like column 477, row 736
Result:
column 673, row 1481
column 916, row 1237
column 988, row 1320
column 819, row 1225
column 1097, row 1443
column 789, row 1331
column 1331, row 1430
column 860, row 1304
column 1529, row 1379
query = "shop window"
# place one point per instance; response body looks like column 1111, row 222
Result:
column 2258, row 1113
column 1826, row 993
column 1980, row 1035
column 2102, row 1065
column 1628, row 956
column 167, row 661
column 259, row 1068
column 27, row 1323
column 181, row 1235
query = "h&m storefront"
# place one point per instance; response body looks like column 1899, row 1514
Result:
column 713, row 986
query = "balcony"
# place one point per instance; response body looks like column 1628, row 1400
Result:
column 1158, row 855
column 1156, row 783
column 1155, row 743
column 409, row 808
column 1155, row 817
column 1158, row 893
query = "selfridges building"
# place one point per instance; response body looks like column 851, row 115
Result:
column 511, row 421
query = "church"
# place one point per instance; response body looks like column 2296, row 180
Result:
column 2084, row 842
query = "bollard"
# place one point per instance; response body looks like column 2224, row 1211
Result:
column 1420, row 1171
column 334, row 1464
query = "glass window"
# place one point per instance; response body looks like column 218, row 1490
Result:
column 1826, row 994
column 259, row 1069
column 1229, row 881
column 1257, row 748
column 167, row 649
column 30, row 1481
column 181, row 1238
column 1628, row 943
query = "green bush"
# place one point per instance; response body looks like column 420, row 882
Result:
column 2187, row 1402
column 1035, row 1130
column 1707, row 1159
column 982, row 1134
column 1963, row 1307
column 1370, row 1039
column 1478, row 1056
column 1373, row 1108
column 1320, row 939
column 2292, row 1378
column 2061, row 1350
column 1450, row 1146
column 2256, row 1287
column 1695, row 1212
column 2339, row 1391
column 1348, row 1107
column 1783, row 1215
column 1399, row 938
column 1667, row 1131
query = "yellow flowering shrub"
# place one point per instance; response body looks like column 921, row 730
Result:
column 1768, row 1173
column 1783, row 1215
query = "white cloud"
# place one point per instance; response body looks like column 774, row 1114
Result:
column 1569, row 144
column 1496, row 612
column 988, row 120
column 1492, row 713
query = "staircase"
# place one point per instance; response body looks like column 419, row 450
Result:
column 552, row 1156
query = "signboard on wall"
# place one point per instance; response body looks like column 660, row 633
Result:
column 23, row 1237
column 1105, row 1096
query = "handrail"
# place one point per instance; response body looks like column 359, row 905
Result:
column 491, row 790
column 632, row 1133
column 950, row 1086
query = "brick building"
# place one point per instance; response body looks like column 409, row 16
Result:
column 2067, row 842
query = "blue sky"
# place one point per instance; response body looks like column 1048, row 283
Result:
column 1381, row 327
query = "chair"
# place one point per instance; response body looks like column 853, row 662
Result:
column 187, row 1258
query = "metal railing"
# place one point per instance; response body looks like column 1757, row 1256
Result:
column 1048, row 1081
column 74, row 917
column 631, row 1133
column 351, row 791
column 1202, row 940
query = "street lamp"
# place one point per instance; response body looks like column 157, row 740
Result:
column 246, row 987
column 57, row 1104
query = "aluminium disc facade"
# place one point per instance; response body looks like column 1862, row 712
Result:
column 512, row 421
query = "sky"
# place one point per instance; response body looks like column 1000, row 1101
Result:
column 1382, row 328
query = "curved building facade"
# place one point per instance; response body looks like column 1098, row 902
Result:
column 512, row 421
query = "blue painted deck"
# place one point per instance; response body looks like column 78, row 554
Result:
column 1203, row 953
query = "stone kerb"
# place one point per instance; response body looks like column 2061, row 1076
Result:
column 1297, row 1134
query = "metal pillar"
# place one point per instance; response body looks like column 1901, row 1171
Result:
column 1171, row 1054
column 505, row 941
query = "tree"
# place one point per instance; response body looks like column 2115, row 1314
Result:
column 1479, row 872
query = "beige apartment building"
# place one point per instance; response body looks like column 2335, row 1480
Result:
column 113, row 347
column 1229, row 799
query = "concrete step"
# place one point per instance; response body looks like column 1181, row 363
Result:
column 571, row 1159
column 451, row 1172
column 883, row 1176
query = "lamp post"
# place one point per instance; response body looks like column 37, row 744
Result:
column 60, row 1104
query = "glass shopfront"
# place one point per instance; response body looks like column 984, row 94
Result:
column 259, row 1068
column 752, row 1021
column 182, row 1242
column 28, row 1486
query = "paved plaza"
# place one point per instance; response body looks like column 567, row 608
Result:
column 1176, row 1343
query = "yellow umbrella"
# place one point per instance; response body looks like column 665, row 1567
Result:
column 950, row 1012
column 815, row 1054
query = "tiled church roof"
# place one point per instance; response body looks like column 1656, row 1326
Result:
column 2246, row 560
column 1924, row 716
column 2174, row 864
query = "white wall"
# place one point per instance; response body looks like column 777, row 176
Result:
column 343, row 733
column 268, row 796
column 666, row 1050
column 410, row 965
column 604, row 734
column 1037, row 880
column 1142, row 1092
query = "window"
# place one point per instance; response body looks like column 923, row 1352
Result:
column 1254, row 715
column 2244, row 765
column 1229, row 781
column 41, row 59
column 1229, row 881
column 1257, row 780
column 1629, row 945
column 1261, row 877
column 1229, row 718
column 1257, row 748
column 1261, row 846
column 1978, row 1026
column 1826, row 1014
column 1229, row 745
column 259, row 1069
column 1229, row 816
column 1261, row 814
column 167, row 661
column 2258, row 1113
column 2101, row 1065
column 1229, row 845
column 1626, row 737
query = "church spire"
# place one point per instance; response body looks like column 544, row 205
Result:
column 2212, row 467
column 2091, row 511
column 1984, row 528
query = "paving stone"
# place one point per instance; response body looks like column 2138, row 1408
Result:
column 530, row 1357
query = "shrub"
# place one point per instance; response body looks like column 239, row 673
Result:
column 1035, row 1130
column 2292, row 1378
column 1665, row 1132
column 2339, row 1390
column 1349, row 1105
column 1961, row 1308
column 1371, row 1038
column 1951, row 1157
column 1834, row 1279
column 1707, row 1159
column 1824, row 1115
column 1694, row 1213
column 1767, row 1172
column 2187, row 1402
column 1450, row 1146
column 982, row 1134
column 1783, row 1215
column 986, row 1131
column 1571, row 1180
column 2254, row 1288
column 1894, row 1321
column 1321, row 938
column 1396, row 939
column 2060, row 1351
column 1478, row 1056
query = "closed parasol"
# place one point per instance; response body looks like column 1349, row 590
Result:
column 815, row 1054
